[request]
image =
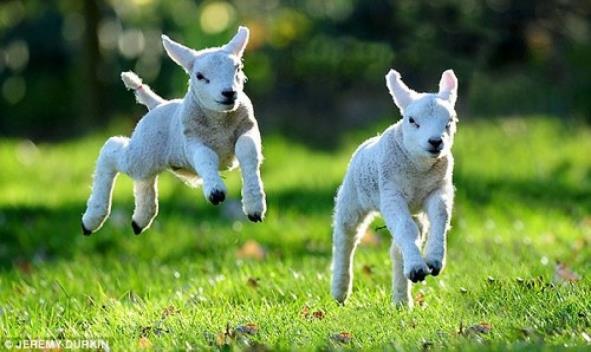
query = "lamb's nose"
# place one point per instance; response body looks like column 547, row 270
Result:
column 435, row 142
column 230, row 94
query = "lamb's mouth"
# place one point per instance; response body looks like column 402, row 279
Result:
column 434, row 152
column 226, row 102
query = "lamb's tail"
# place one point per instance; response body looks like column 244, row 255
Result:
column 143, row 94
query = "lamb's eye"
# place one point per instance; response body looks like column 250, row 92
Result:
column 448, row 126
column 413, row 122
column 200, row 76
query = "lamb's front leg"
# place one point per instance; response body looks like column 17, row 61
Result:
column 248, row 152
column 206, row 163
column 438, row 209
column 406, row 234
column 400, row 284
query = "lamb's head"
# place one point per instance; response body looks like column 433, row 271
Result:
column 429, row 119
column 216, row 79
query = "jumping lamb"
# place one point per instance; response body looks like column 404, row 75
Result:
column 212, row 128
column 405, row 172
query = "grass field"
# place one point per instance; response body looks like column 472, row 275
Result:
column 203, row 277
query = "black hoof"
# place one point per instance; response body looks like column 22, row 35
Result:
column 435, row 267
column 417, row 275
column 136, row 228
column 256, row 217
column 216, row 197
column 85, row 231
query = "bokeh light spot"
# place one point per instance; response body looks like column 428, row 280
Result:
column 216, row 17
column 108, row 33
column 17, row 55
column 14, row 89
column 131, row 43
column 288, row 26
column 73, row 27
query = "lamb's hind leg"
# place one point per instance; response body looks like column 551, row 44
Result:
column 349, row 226
column 146, row 204
column 109, row 163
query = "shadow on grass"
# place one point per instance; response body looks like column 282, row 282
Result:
column 39, row 234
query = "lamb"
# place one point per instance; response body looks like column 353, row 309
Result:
column 212, row 128
column 405, row 172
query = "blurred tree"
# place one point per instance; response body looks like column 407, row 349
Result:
column 324, row 60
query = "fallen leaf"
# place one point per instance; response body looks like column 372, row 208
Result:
column 247, row 329
column 367, row 269
column 24, row 266
column 342, row 337
column 319, row 314
column 420, row 299
column 251, row 250
column 370, row 239
column 253, row 282
column 563, row 274
column 224, row 338
column 481, row 328
column 305, row 312
column 144, row 343
column 168, row 311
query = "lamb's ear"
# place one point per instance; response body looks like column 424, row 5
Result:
column 179, row 53
column 402, row 95
column 448, row 86
column 237, row 45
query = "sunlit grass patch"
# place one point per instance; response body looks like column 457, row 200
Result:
column 523, row 205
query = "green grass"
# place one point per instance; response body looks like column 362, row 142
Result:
column 523, row 204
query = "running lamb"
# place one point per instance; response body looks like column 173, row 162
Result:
column 194, row 137
column 405, row 172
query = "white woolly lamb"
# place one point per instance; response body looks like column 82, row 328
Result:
column 404, row 172
column 195, row 137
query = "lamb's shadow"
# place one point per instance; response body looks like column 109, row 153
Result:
column 32, row 234
column 36, row 233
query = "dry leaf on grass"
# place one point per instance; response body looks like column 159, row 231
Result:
column 238, row 335
column 563, row 274
column 247, row 329
column 144, row 342
column 367, row 269
column 477, row 329
column 24, row 266
column 224, row 338
column 307, row 314
column 253, row 282
column 319, row 314
column 370, row 239
column 420, row 299
column 342, row 337
column 168, row 311
column 251, row 250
